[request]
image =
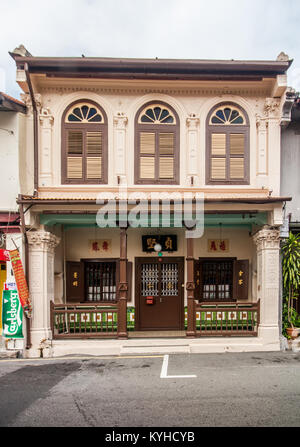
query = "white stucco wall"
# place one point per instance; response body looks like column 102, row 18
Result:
column 9, row 161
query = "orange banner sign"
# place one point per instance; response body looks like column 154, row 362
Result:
column 20, row 281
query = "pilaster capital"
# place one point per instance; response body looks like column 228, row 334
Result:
column 42, row 240
column 272, row 108
column 120, row 120
column 46, row 117
column 25, row 97
column 192, row 121
column 267, row 238
column 261, row 123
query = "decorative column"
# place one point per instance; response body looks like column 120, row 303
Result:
column 120, row 122
column 123, row 287
column 273, row 116
column 190, row 287
column 46, row 121
column 267, row 241
column 262, row 154
column 192, row 135
column 41, row 284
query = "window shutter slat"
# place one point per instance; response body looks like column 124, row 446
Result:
column 147, row 167
column 218, row 144
column 237, row 144
column 237, row 168
column 147, row 143
column 166, row 143
column 93, row 168
column 94, row 143
column 218, row 168
column 166, row 167
column 75, row 142
column 74, row 167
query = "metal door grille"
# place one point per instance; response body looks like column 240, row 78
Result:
column 169, row 280
column 217, row 280
column 150, row 280
column 100, row 281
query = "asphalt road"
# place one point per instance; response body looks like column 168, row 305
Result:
column 228, row 390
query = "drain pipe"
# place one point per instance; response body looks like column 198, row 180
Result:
column 35, row 131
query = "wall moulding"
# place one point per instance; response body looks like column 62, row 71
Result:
column 180, row 91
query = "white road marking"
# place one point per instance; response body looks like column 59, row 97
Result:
column 164, row 371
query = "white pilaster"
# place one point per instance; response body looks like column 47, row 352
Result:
column 267, row 241
column 192, row 142
column 41, row 284
column 120, row 122
column 46, row 121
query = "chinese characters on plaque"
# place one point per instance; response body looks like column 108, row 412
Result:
column 100, row 246
column 168, row 243
column 218, row 245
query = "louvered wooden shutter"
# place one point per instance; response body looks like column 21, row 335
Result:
column 93, row 155
column 241, row 280
column 147, row 155
column 74, row 154
column 75, row 282
column 166, row 155
column 237, row 156
column 218, row 156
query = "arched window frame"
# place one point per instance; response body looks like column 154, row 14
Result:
column 157, row 129
column 228, row 130
column 84, row 128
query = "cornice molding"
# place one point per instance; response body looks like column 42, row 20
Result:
column 180, row 91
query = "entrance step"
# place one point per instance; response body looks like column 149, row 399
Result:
column 159, row 346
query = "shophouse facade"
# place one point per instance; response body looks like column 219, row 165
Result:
column 110, row 139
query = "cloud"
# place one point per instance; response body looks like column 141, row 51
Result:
column 235, row 29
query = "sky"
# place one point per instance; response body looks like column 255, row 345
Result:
column 172, row 29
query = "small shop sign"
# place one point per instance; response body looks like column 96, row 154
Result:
column 4, row 255
column 12, row 315
column 218, row 245
column 100, row 246
column 168, row 243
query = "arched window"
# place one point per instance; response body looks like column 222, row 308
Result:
column 84, row 144
column 227, row 145
column 156, row 145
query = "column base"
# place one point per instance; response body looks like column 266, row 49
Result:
column 41, row 344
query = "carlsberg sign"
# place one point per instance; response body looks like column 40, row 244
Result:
column 12, row 314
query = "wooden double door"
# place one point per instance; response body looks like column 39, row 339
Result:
column 159, row 293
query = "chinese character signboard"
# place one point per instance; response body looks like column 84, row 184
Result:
column 218, row 245
column 12, row 315
column 241, row 279
column 168, row 243
column 100, row 246
column 20, row 281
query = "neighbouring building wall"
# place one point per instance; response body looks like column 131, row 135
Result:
column 290, row 166
column 9, row 156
